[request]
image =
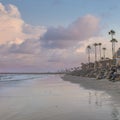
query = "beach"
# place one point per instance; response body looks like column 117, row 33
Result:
column 112, row 88
column 57, row 97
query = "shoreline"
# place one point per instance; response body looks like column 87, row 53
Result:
column 112, row 88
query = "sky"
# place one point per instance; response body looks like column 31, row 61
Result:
column 52, row 35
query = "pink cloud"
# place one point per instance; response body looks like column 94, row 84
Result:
column 80, row 30
column 24, row 47
column 13, row 29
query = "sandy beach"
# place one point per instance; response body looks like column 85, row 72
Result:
column 112, row 88
column 48, row 97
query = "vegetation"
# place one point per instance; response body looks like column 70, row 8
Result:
column 95, row 45
column 88, row 49
column 100, row 49
column 113, row 41
column 101, row 67
column 104, row 49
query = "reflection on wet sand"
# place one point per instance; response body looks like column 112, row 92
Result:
column 115, row 113
column 98, row 98
column 52, row 98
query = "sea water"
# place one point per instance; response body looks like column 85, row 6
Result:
column 48, row 97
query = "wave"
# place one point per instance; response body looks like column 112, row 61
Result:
column 19, row 77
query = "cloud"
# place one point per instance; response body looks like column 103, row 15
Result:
column 19, row 44
column 30, row 46
column 13, row 29
column 24, row 47
column 80, row 30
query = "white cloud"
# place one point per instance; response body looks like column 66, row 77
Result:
column 80, row 30
column 24, row 47
column 13, row 29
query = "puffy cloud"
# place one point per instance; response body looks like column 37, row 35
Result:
column 80, row 30
column 30, row 46
column 18, row 40
column 13, row 29
column 33, row 32
column 24, row 47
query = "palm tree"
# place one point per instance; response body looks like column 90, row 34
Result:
column 95, row 44
column 112, row 32
column 104, row 49
column 113, row 41
column 100, row 49
column 88, row 49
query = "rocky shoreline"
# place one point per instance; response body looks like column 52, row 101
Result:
column 112, row 74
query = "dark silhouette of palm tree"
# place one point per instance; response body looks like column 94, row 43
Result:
column 113, row 41
column 100, row 49
column 104, row 50
column 112, row 32
column 95, row 45
column 88, row 50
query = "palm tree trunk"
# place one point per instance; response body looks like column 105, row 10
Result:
column 95, row 54
column 100, row 51
column 113, row 50
column 89, row 57
column 104, row 54
column 112, row 36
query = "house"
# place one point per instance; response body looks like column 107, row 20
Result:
column 117, row 57
column 105, row 63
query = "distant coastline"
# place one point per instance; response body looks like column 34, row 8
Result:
column 31, row 73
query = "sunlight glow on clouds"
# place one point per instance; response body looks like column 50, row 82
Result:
column 24, row 47
column 13, row 29
column 82, row 29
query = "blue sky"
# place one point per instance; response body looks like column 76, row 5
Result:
column 63, row 12
column 45, row 35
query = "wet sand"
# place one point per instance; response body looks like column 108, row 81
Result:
column 52, row 98
column 112, row 88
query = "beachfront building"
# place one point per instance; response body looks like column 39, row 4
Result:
column 105, row 63
column 102, row 64
column 116, row 57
